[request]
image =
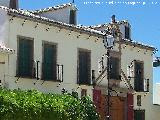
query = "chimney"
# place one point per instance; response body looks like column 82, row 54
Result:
column 13, row 4
column 113, row 18
column 9, row 3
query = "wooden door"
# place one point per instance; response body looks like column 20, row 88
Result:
column 117, row 108
column 103, row 107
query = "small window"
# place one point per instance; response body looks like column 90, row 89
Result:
column 25, row 58
column 127, row 32
column 72, row 17
column 138, row 100
column 83, row 93
column 114, row 68
column 84, row 66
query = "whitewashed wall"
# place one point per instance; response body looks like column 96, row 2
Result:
column 67, row 46
column 4, row 28
column 129, row 54
column 62, row 15
column 3, row 68
column 4, row 3
column 157, row 93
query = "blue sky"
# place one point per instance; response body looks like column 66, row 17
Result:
column 144, row 17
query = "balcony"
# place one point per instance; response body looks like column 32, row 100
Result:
column 146, row 85
column 142, row 87
column 37, row 71
column 51, row 72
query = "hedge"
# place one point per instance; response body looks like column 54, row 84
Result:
column 34, row 105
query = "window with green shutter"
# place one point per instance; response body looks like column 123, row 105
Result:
column 114, row 68
column 72, row 19
column 25, row 58
column 139, row 115
column 127, row 32
column 139, row 76
column 49, row 61
column 84, row 67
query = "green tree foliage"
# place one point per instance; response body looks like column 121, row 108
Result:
column 34, row 105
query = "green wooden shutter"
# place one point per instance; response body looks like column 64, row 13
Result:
column 49, row 62
column 139, row 115
column 114, row 62
column 139, row 84
column 88, row 57
column 25, row 57
column 84, row 67
column 72, row 16
column 127, row 32
column 81, row 68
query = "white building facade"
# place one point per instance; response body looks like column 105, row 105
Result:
column 52, row 54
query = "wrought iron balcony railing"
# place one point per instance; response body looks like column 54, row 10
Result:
column 36, row 71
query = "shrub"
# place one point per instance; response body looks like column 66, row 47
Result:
column 34, row 105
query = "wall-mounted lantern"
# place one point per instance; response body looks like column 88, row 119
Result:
column 109, row 41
